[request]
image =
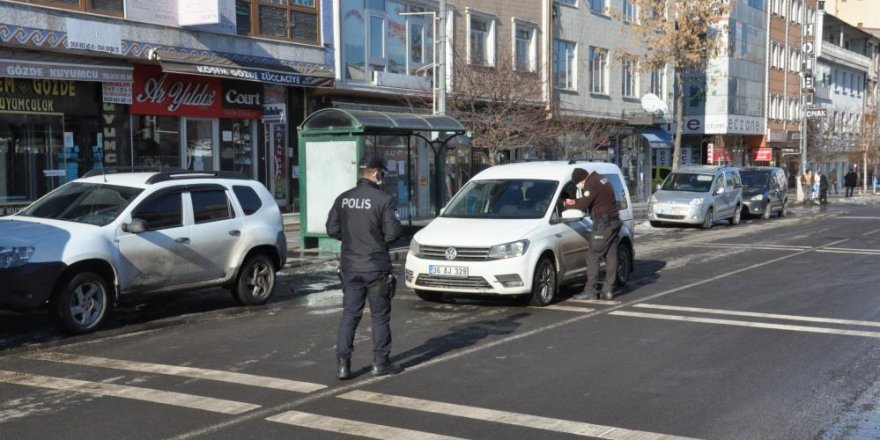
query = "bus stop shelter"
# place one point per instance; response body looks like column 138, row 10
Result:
column 421, row 166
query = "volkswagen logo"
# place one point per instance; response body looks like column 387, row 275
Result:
column 451, row 253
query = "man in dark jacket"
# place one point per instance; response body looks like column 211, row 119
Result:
column 365, row 219
column 598, row 198
column 849, row 181
column 823, row 189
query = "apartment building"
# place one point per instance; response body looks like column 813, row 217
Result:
column 214, row 85
column 792, row 30
column 725, row 121
column 847, row 66
column 863, row 14
column 597, row 75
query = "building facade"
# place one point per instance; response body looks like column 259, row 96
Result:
column 134, row 83
column 597, row 75
column 725, row 121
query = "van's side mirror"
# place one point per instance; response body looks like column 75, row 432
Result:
column 572, row 215
column 135, row 227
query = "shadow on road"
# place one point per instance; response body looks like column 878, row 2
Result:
column 459, row 337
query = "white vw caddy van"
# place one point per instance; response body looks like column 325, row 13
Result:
column 505, row 233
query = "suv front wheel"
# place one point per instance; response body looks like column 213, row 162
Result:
column 255, row 282
column 81, row 302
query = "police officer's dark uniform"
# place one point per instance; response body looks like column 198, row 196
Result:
column 598, row 198
column 365, row 219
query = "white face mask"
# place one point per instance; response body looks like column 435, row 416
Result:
column 580, row 185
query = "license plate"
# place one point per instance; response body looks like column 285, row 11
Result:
column 449, row 271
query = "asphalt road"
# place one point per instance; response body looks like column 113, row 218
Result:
column 767, row 330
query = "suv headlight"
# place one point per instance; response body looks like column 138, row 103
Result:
column 697, row 202
column 509, row 250
column 15, row 256
column 414, row 248
column 757, row 198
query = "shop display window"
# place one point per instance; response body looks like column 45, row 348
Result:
column 237, row 152
column 199, row 144
column 156, row 141
column 31, row 156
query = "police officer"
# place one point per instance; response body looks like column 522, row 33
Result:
column 365, row 219
column 598, row 198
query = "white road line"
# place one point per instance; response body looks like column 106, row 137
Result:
column 758, row 315
column 173, row 370
column 128, row 392
column 795, row 328
column 564, row 308
column 856, row 217
column 601, row 302
column 767, row 247
column 872, row 232
column 850, row 251
column 354, row 428
column 504, row 417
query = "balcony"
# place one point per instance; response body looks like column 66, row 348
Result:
column 839, row 55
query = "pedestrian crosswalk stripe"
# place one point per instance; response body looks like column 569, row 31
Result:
column 758, row 315
column 765, row 325
column 354, row 428
column 173, row 370
column 565, row 308
column 504, row 417
column 128, row 392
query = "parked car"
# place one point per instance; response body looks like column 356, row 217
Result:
column 83, row 246
column 698, row 195
column 764, row 191
column 506, row 233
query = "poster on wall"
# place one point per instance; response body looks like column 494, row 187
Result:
column 276, row 146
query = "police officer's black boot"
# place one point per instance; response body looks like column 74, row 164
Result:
column 343, row 368
column 381, row 369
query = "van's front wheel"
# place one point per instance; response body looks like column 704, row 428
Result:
column 543, row 283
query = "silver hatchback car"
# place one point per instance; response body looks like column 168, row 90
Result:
column 698, row 195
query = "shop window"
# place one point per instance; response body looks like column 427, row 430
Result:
column 156, row 141
column 107, row 7
column 237, row 152
column 295, row 20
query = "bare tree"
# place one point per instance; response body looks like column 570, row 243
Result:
column 685, row 35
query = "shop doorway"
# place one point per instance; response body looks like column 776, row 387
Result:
column 237, row 152
column 31, row 155
column 200, row 144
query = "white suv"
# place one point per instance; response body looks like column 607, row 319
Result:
column 504, row 233
column 82, row 246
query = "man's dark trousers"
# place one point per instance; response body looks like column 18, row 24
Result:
column 603, row 243
column 354, row 288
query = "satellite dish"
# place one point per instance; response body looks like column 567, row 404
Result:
column 653, row 104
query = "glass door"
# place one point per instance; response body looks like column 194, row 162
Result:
column 200, row 144
column 237, row 152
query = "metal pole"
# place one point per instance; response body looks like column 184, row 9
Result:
column 441, row 61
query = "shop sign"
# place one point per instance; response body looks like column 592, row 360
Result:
column 47, row 96
column 242, row 94
column 152, row 11
column 30, row 69
column 116, row 92
column 166, row 94
column 93, row 35
column 274, row 113
column 724, row 124
column 763, row 155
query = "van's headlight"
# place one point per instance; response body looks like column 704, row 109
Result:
column 696, row 202
column 509, row 250
column 15, row 256
column 757, row 198
column 414, row 248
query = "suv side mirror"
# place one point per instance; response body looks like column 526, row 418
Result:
column 659, row 186
column 719, row 190
column 135, row 227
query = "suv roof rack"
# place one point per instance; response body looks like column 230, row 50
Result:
column 575, row 160
column 176, row 174
column 130, row 169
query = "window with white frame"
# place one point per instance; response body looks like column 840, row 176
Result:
column 793, row 60
column 792, row 110
column 795, row 11
column 597, row 6
column 782, row 8
column 771, row 112
column 658, row 82
column 630, row 78
column 630, row 11
column 564, row 59
column 524, row 47
column 481, row 47
column 598, row 70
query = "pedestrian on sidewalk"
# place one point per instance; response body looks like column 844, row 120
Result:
column 823, row 189
column 849, row 181
column 807, row 183
column 365, row 219
column 832, row 179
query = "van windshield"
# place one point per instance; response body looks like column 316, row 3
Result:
column 688, row 182
column 755, row 179
column 514, row 199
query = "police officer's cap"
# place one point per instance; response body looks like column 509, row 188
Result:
column 372, row 161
